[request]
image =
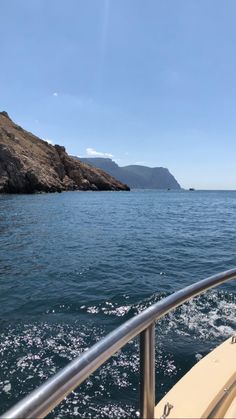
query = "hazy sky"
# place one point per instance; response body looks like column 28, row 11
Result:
column 148, row 81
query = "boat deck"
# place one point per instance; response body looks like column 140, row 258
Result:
column 208, row 390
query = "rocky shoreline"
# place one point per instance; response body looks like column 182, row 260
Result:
column 31, row 165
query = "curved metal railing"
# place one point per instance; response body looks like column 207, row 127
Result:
column 42, row 400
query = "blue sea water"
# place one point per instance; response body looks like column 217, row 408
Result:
column 74, row 266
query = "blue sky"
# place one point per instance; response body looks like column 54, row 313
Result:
column 147, row 81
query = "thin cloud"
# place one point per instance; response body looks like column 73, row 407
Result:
column 93, row 153
column 48, row 141
column 55, row 94
column 104, row 36
column 104, row 32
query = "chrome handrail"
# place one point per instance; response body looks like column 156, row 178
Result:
column 46, row 397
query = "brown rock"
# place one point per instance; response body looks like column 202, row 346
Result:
column 29, row 164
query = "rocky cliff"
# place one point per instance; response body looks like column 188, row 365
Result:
column 29, row 164
column 136, row 176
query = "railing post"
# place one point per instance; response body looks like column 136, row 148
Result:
column 147, row 372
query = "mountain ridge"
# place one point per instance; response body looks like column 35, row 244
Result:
column 136, row 176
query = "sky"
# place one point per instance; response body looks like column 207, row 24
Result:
column 149, row 82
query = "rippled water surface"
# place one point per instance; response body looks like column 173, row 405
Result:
column 73, row 266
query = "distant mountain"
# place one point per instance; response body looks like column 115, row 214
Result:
column 29, row 164
column 136, row 176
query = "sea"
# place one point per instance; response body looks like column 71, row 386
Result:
column 75, row 265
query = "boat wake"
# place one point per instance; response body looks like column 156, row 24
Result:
column 33, row 351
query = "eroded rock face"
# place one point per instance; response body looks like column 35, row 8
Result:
column 29, row 164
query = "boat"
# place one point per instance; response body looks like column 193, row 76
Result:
column 208, row 390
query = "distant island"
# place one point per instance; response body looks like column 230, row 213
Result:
column 136, row 176
column 29, row 164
